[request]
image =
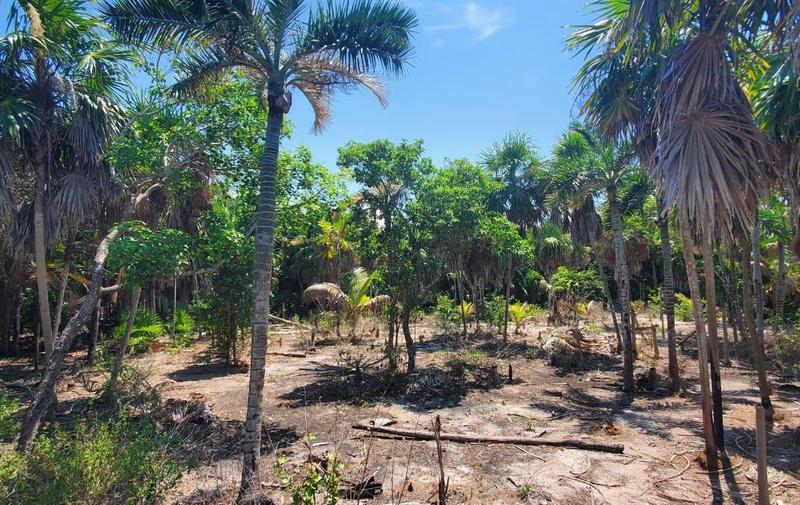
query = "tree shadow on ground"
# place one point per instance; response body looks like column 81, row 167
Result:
column 207, row 438
column 569, row 362
column 429, row 388
column 205, row 371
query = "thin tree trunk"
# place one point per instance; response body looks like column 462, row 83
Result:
column 250, row 488
column 94, row 333
column 391, row 355
column 780, row 282
column 62, row 289
column 40, row 257
column 611, row 307
column 18, row 323
column 460, row 294
column 174, row 299
column 702, row 343
column 410, row 350
column 726, row 342
column 45, row 392
column 668, row 300
column 623, row 288
column 758, row 339
column 713, row 338
column 123, row 348
column 747, row 293
column 509, row 275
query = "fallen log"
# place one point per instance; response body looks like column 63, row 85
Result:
column 289, row 321
column 682, row 342
column 287, row 354
column 462, row 438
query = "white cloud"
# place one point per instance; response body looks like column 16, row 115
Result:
column 480, row 21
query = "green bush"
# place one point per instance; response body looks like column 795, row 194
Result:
column 577, row 285
column 9, row 417
column 448, row 312
column 147, row 328
column 182, row 330
column 684, row 309
column 118, row 461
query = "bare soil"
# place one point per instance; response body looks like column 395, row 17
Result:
column 552, row 395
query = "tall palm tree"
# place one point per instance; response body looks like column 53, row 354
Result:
column 589, row 167
column 336, row 47
column 59, row 78
column 617, row 81
column 711, row 159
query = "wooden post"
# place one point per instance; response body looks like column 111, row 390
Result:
column 761, row 456
column 443, row 484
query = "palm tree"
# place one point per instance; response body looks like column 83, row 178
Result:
column 585, row 167
column 709, row 162
column 333, row 244
column 351, row 304
column 517, row 165
column 335, row 48
column 59, row 77
column 617, row 83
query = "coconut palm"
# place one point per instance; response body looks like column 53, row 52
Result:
column 335, row 48
column 59, row 76
column 350, row 305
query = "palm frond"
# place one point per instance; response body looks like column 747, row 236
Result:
column 365, row 35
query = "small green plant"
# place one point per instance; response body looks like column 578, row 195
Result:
column 518, row 313
column 182, row 330
column 524, row 491
column 9, row 417
column 312, row 479
column 147, row 328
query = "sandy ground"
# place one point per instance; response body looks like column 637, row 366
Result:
column 466, row 385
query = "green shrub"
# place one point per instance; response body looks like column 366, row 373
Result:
column 9, row 417
column 182, row 330
column 147, row 328
column 118, row 461
column 494, row 307
column 448, row 311
column 684, row 309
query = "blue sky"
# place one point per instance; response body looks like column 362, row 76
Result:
column 481, row 68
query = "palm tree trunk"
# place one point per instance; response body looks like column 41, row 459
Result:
column 94, row 333
column 668, row 300
column 45, row 392
column 460, row 295
column 391, row 355
column 702, row 343
column 780, row 282
column 713, row 338
column 40, row 257
column 726, row 341
column 611, row 307
column 749, row 329
column 62, row 289
column 123, row 348
column 262, row 283
column 757, row 340
column 412, row 353
column 623, row 289
column 17, row 323
column 758, row 280
column 509, row 275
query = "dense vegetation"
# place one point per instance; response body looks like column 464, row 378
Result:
column 174, row 212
